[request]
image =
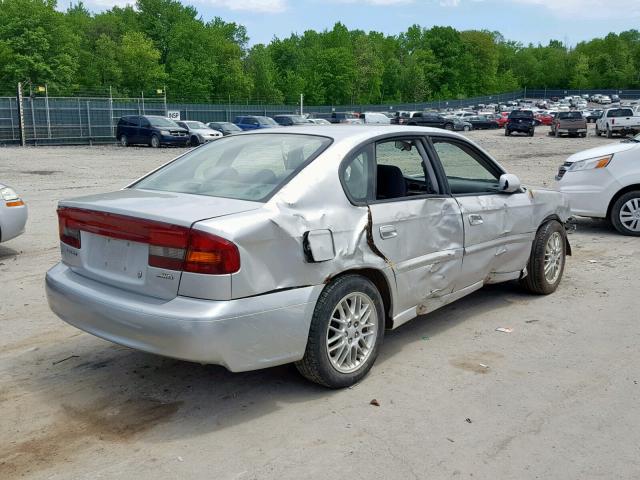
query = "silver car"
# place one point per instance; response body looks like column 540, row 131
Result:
column 302, row 245
column 199, row 132
column 13, row 214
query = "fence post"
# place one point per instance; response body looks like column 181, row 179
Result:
column 80, row 117
column 111, row 110
column 89, row 123
column 143, row 112
column 164, row 90
column 33, row 120
column 46, row 104
column 23, row 141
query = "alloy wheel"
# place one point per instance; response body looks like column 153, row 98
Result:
column 553, row 257
column 352, row 332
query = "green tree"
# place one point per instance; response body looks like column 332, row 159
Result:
column 141, row 70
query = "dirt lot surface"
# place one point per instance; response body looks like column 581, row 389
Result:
column 558, row 397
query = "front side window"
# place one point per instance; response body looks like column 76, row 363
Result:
column 466, row 169
column 244, row 167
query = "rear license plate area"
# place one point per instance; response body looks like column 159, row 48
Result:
column 122, row 259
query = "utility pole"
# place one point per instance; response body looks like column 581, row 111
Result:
column 302, row 104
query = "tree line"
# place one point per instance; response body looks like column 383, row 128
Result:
column 162, row 44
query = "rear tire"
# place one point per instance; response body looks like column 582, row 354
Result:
column 155, row 141
column 466, row 128
column 547, row 260
column 598, row 132
column 609, row 132
column 507, row 133
column 336, row 331
column 625, row 214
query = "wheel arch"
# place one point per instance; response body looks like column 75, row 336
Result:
column 619, row 193
column 555, row 217
column 379, row 279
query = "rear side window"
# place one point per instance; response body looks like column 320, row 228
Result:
column 244, row 167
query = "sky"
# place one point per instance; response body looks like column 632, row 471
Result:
column 526, row 21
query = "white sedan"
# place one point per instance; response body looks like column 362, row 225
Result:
column 13, row 214
column 604, row 182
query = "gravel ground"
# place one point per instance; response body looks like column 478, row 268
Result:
column 558, row 399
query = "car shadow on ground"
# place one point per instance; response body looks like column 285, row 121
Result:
column 6, row 252
column 594, row 226
column 104, row 376
column 96, row 391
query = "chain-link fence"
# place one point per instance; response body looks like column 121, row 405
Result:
column 82, row 120
column 560, row 93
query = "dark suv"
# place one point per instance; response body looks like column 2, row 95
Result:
column 150, row 130
column 521, row 121
column 428, row 119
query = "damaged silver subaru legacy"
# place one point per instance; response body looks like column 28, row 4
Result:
column 301, row 246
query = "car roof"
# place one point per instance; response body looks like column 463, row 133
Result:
column 355, row 133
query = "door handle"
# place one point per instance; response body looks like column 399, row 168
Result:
column 475, row 219
column 388, row 231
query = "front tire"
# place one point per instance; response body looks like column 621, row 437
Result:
column 194, row 141
column 448, row 126
column 155, row 141
column 625, row 214
column 609, row 132
column 347, row 329
column 124, row 141
column 547, row 260
column 466, row 128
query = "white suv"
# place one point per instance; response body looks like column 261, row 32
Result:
column 604, row 182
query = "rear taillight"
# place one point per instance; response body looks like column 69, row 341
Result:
column 68, row 229
column 171, row 247
column 211, row 254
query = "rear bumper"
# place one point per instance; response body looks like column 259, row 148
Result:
column 572, row 130
column 519, row 127
column 12, row 221
column 244, row 334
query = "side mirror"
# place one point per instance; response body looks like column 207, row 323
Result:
column 509, row 183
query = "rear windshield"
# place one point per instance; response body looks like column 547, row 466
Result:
column 244, row 167
column 620, row 112
column 521, row 114
column 570, row 115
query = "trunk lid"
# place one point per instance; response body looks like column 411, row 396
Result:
column 115, row 229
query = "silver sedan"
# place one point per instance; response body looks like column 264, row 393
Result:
column 302, row 246
column 13, row 214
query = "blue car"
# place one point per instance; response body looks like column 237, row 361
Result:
column 254, row 122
